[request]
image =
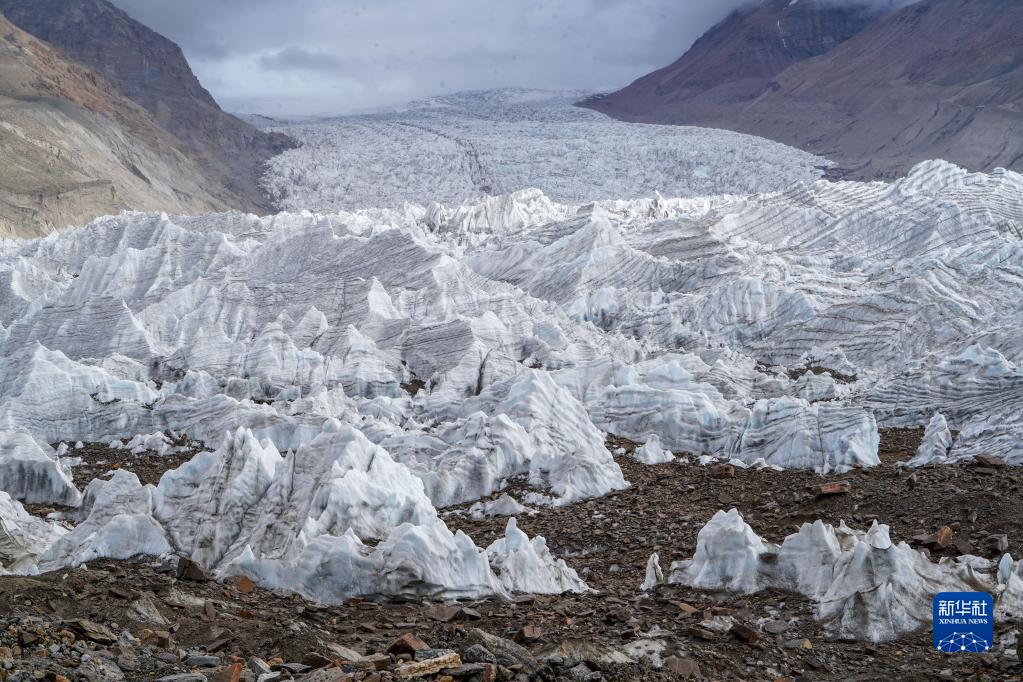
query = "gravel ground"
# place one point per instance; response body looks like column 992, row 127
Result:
column 607, row 540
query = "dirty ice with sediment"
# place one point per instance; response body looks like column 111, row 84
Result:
column 471, row 293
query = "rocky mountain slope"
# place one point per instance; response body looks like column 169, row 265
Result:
column 936, row 79
column 74, row 148
column 152, row 71
column 736, row 60
column 939, row 79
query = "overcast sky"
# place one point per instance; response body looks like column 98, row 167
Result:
column 291, row 57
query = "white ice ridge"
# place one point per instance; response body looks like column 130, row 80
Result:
column 865, row 586
column 525, row 565
column 23, row 537
column 33, row 472
column 651, row 452
column 936, row 443
column 505, row 505
column 159, row 443
column 675, row 318
column 654, row 576
column 336, row 518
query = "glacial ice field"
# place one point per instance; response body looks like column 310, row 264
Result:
column 865, row 585
column 469, row 146
column 352, row 372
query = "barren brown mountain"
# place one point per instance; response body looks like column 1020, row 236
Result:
column 74, row 148
column 936, row 79
column 151, row 70
column 736, row 60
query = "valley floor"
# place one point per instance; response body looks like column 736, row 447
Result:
column 180, row 625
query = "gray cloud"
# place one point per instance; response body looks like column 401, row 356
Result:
column 292, row 58
column 328, row 56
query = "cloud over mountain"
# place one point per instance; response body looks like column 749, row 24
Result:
column 259, row 54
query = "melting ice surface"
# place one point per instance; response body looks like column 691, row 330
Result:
column 469, row 146
column 865, row 586
column 294, row 345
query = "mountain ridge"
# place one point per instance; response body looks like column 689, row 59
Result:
column 74, row 148
column 736, row 59
column 151, row 70
column 935, row 79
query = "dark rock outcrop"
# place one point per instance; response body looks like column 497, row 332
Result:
column 935, row 79
column 153, row 72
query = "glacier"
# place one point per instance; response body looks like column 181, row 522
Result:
column 936, row 443
column 462, row 354
column 334, row 519
column 652, row 453
column 470, row 145
column 33, row 472
column 23, row 538
column 865, row 586
column 356, row 369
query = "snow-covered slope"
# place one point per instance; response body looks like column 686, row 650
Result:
column 471, row 145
